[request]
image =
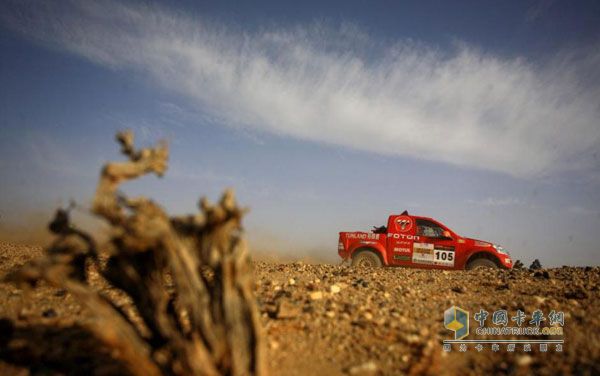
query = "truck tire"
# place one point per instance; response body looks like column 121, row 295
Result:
column 481, row 262
column 366, row 259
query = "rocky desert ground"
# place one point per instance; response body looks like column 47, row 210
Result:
column 335, row 320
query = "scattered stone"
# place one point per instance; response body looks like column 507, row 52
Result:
column 536, row 264
column 7, row 329
column 24, row 313
column 579, row 294
column 49, row 313
column 539, row 299
column 287, row 310
column 316, row 295
column 542, row 274
column 334, row 289
column 412, row 339
column 364, row 369
column 273, row 345
column 524, row 360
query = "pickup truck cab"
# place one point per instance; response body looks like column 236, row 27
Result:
column 419, row 242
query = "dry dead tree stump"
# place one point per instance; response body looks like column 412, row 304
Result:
column 189, row 278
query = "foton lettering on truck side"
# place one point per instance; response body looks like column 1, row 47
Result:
column 419, row 242
column 403, row 236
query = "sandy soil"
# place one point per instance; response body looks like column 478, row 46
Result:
column 336, row 320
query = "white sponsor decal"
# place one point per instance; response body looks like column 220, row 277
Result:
column 422, row 253
column 402, row 250
column 363, row 236
column 403, row 236
column 443, row 257
column 403, row 242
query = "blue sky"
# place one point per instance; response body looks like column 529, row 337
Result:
column 325, row 116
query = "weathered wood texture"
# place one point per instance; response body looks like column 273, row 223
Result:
column 189, row 278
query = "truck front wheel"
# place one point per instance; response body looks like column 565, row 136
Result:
column 481, row 263
column 366, row 259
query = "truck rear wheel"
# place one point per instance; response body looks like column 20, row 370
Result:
column 480, row 263
column 366, row 259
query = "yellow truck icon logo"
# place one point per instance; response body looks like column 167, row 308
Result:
column 457, row 320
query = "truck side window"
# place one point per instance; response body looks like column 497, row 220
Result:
column 429, row 229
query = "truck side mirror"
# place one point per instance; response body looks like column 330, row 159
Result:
column 447, row 234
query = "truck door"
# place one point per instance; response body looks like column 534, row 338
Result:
column 435, row 249
column 401, row 235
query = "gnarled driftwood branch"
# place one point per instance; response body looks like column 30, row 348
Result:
column 189, row 277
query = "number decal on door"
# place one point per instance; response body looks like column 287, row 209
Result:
column 443, row 257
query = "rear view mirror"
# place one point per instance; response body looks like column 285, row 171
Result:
column 447, row 234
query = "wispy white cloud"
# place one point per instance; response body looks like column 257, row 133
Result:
column 203, row 175
column 46, row 153
column 538, row 9
column 580, row 210
column 497, row 201
column 343, row 87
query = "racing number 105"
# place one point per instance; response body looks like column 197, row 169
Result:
column 444, row 256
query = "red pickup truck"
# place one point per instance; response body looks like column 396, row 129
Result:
column 419, row 242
